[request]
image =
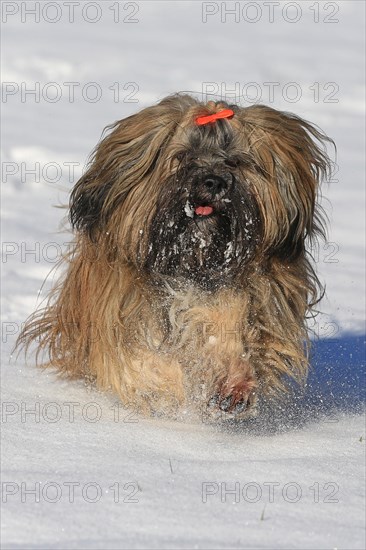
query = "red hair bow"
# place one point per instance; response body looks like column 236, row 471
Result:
column 226, row 113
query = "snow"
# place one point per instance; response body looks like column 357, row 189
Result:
column 188, row 209
column 312, row 447
column 183, row 473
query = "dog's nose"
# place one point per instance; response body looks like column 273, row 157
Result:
column 216, row 185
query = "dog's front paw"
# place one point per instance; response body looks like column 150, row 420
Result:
column 236, row 394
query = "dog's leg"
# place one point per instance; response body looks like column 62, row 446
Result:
column 223, row 364
column 153, row 383
column 236, row 390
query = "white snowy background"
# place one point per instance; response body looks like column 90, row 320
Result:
column 298, row 471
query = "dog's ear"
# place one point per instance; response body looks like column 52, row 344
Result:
column 293, row 161
column 122, row 160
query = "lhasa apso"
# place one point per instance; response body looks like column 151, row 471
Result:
column 189, row 280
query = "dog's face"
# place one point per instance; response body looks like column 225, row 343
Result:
column 202, row 203
column 206, row 225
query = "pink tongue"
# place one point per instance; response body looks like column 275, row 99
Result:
column 203, row 210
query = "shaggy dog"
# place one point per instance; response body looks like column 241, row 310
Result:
column 189, row 281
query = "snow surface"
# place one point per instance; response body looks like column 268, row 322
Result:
column 315, row 442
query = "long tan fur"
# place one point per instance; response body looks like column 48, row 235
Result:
column 160, row 342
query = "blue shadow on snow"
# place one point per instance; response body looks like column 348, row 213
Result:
column 336, row 384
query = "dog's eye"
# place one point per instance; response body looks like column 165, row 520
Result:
column 232, row 163
column 180, row 156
